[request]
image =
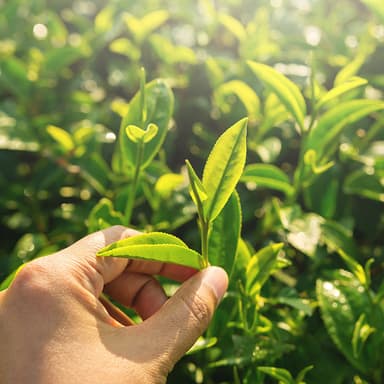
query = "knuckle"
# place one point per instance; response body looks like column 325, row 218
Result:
column 199, row 309
column 32, row 279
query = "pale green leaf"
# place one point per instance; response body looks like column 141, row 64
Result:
column 134, row 133
column 280, row 374
column 243, row 91
column 165, row 253
column 288, row 92
column 233, row 25
column 159, row 105
column 350, row 84
column 196, row 190
column 223, row 168
column 155, row 246
column 167, row 183
column 150, row 132
column 104, row 19
column 141, row 28
column 360, row 335
column 268, row 176
column 377, row 7
column 62, row 137
column 125, row 47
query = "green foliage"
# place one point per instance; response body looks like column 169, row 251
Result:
column 86, row 141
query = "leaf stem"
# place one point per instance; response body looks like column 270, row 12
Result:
column 204, row 232
column 132, row 192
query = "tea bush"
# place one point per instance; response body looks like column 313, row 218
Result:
column 88, row 140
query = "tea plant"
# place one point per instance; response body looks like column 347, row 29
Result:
column 298, row 226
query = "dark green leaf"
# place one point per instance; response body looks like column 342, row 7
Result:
column 224, row 235
column 268, row 176
column 260, row 267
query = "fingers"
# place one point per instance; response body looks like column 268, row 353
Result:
column 95, row 271
column 98, row 271
column 171, row 271
column 139, row 291
column 185, row 316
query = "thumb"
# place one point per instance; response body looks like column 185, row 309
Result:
column 186, row 315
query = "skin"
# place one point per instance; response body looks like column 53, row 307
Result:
column 57, row 327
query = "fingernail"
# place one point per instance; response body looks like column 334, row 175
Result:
column 217, row 279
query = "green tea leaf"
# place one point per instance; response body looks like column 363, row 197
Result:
column 350, row 84
column 331, row 124
column 155, row 246
column 141, row 28
column 134, row 133
column 361, row 333
column 376, row 7
column 138, row 135
column 103, row 214
column 196, row 190
column 167, row 183
column 366, row 184
column 342, row 300
column 159, row 102
column 58, row 59
column 150, row 132
column 301, row 375
column 261, row 266
column 14, row 76
column 245, row 94
column 268, row 176
column 223, row 168
column 233, row 25
column 125, row 47
column 337, row 237
column 288, row 92
column 202, row 344
column 62, row 137
column 280, row 374
column 224, row 235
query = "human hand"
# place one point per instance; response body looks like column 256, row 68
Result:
column 54, row 327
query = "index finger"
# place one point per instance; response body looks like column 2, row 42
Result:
column 175, row 272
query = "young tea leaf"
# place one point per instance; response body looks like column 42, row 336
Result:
column 288, row 92
column 361, row 333
column 155, row 246
column 280, row 374
column 223, row 168
column 350, row 84
column 134, row 133
column 196, row 190
column 62, row 137
column 159, row 105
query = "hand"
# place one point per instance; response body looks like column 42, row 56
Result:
column 55, row 326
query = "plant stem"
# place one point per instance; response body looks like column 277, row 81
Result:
column 204, row 231
column 132, row 192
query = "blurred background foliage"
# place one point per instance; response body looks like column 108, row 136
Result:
column 68, row 69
